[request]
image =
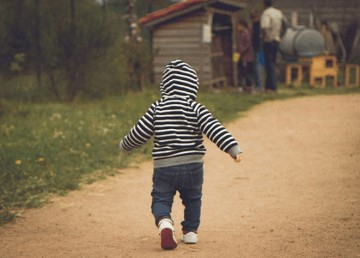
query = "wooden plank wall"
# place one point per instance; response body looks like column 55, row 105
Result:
column 342, row 12
column 343, row 15
column 182, row 39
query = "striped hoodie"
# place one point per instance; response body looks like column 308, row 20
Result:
column 178, row 122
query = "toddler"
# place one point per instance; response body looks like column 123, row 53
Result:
column 177, row 123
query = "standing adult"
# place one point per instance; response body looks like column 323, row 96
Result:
column 256, row 43
column 246, row 53
column 271, row 20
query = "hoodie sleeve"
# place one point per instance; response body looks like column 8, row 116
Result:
column 216, row 132
column 141, row 131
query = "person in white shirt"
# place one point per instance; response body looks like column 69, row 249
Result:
column 271, row 20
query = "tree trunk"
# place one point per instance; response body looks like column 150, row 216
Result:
column 38, row 47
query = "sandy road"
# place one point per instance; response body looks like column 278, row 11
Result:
column 296, row 194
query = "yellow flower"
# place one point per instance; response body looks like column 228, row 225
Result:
column 18, row 162
column 88, row 145
column 41, row 159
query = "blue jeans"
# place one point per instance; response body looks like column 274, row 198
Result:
column 258, row 70
column 187, row 179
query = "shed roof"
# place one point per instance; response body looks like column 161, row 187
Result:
column 188, row 6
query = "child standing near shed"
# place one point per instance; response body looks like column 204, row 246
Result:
column 177, row 123
column 246, row 53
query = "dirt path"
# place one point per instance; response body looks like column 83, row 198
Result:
column 296, row 194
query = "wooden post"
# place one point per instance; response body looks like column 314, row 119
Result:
column 348, row 69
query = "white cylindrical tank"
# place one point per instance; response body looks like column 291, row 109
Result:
column 302, row 42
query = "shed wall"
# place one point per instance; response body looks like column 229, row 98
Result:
column 341, row 12
column 343, row 16
column 182, row 39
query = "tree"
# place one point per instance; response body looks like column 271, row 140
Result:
column 60, row 39
column 82, row 39
column 72, row 47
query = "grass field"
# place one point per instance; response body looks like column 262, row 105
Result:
column 53, row 148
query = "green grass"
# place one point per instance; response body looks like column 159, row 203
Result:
column 50, row 149
column 54, row 148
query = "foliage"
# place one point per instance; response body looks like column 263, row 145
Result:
column 70, row 48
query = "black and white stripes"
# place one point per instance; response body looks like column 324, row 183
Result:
column 177, row 121
column 179, row 79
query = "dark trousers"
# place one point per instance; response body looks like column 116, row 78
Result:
column 270, row 51
column 245, row 72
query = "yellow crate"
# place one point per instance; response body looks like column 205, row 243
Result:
column 293, row 68
column 320, row 68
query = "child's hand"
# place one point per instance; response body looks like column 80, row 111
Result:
column 238, row 157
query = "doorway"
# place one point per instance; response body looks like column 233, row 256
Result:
column 221, row 51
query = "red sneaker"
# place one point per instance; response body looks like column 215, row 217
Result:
column 168, row 240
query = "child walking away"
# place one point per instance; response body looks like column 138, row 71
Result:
column 177, row 123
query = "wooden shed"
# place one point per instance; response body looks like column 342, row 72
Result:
column 200, row 32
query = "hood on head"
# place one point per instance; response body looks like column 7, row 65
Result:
column 179, row 79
